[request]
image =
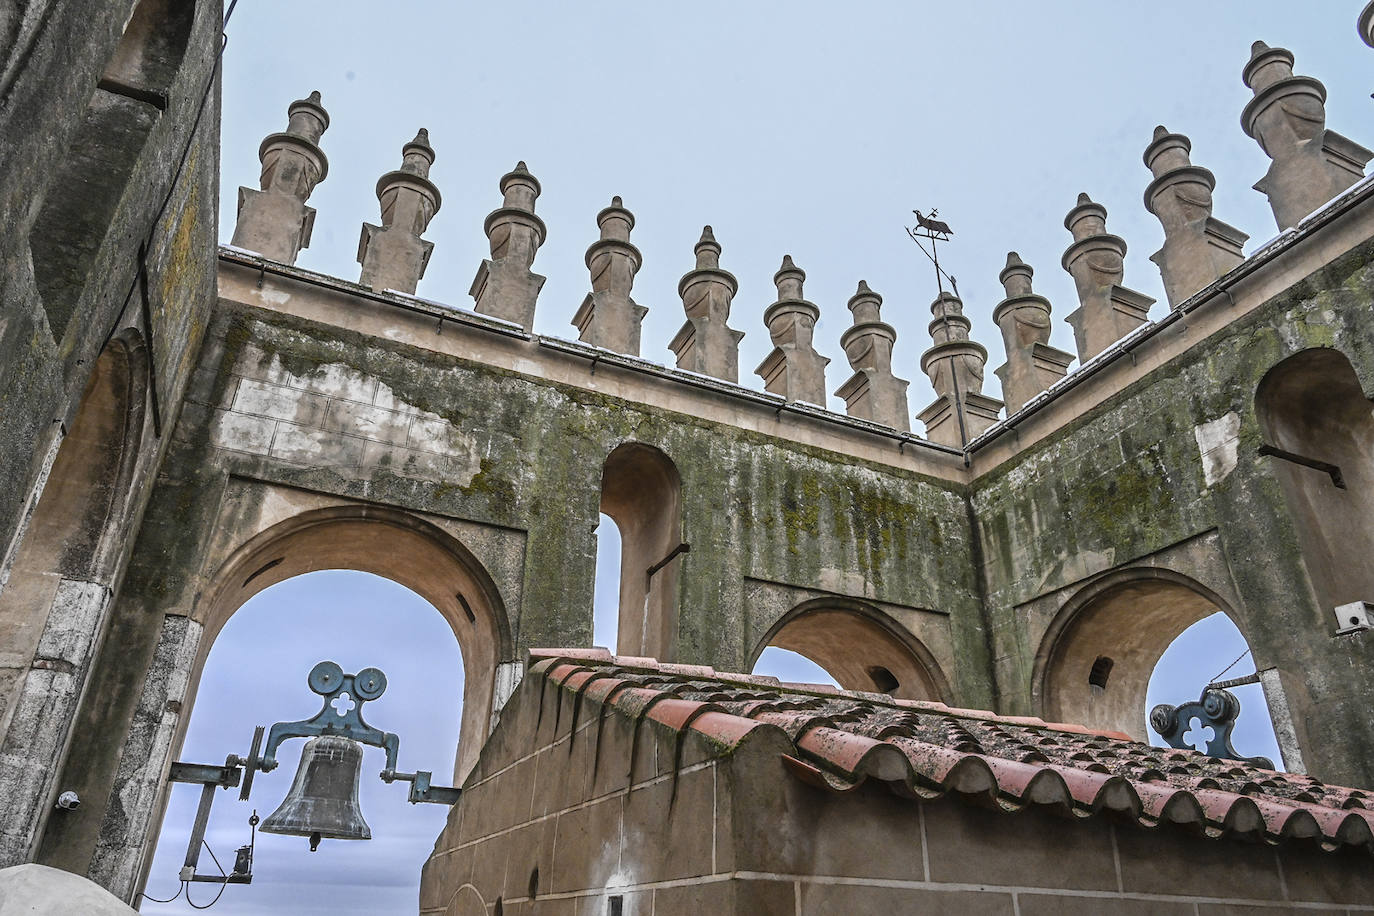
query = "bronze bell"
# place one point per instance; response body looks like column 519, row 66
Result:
column 323, row 801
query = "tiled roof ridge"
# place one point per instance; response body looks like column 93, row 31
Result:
column 840, row 739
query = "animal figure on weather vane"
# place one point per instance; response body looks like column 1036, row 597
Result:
column 933, row 231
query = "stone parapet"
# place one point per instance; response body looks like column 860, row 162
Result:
column 505, row 287
column 393, row 255
column 275, row 221
column 1198, row 247
column 793, row 369
column 1287, row 116
column 608, row 316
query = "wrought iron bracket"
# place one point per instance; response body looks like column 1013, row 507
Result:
column 341, row 714
column 422, row 791
column 1216, row 710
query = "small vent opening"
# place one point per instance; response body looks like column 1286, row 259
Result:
column 884, row 680
column 1102, row 669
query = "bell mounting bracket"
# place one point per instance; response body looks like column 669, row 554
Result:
column 341, row 715
column 1204, row 725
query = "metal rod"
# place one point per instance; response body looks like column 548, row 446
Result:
column 207, row 798
column 1236, row 681
column 1315, row 464
column 679, row 549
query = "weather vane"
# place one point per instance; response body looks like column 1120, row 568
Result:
column 933, row 231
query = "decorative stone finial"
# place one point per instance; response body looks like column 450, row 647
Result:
column 1107, row 311
column 960, row 412
column 1287, row 116
column 706, row 344
column 608, row 317
column 505, row 287
column 1198, row 247
column 793, row 369
column 872, row 393
column 275, row 221
column 1032, row 364
column 393, row 255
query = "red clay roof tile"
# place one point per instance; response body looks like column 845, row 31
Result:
column 925, row 749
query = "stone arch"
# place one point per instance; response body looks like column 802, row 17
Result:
column 53, row 602
column 641, row 491
column 397, row 546
column 860, row 646
column 1095, row 660
column 103, row 153
column 1311, row 408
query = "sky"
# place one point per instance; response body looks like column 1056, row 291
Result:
column 803, row 128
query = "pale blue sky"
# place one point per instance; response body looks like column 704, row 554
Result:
column 806, row 128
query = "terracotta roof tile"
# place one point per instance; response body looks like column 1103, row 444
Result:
column 920, row 749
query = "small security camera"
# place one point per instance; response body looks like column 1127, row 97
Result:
column 69, row 801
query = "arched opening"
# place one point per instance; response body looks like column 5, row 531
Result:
column 255, row 674
column 89, row 182
column 1096, row 661
column 858, row 646
column 1319, row 431
column 606, row 594
column 63, row 567
column 395, row 546
column 641, row 491
column 1197, row 656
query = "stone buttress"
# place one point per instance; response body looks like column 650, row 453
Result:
column 793, row 369
column 1311, row 164
column 393, row 255
column 275, row 221
column 505, row 287
column 1198, row 247
column 872, row 393
column 1107, row 311
column 1032, row 364
column 608, row 317
column 960, row 412
column 706, row 344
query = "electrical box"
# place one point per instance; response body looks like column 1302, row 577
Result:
column 1357, row 615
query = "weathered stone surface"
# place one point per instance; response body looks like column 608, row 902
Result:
column 505, row 287
column 1312, row 163
column 608, row 317
column 706, row 343
column 872, row 392
column 1198, row 247
column 1032, row 364
column 275, row 222
column 393, row 255
column 1107, row 311
column 793, row 369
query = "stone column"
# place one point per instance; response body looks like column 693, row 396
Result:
column 393, row 255
column 608, row 317
column 1107, row 311
column 275, row 222
column 1288, row 117
column 872, row 393
column 706, row 344
column 505, row 287
column 960, row 412
column 1198, row 247
column 794, row 369
column 1032, row 364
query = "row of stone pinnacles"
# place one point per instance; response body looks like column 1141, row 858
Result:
column 1310, row 166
